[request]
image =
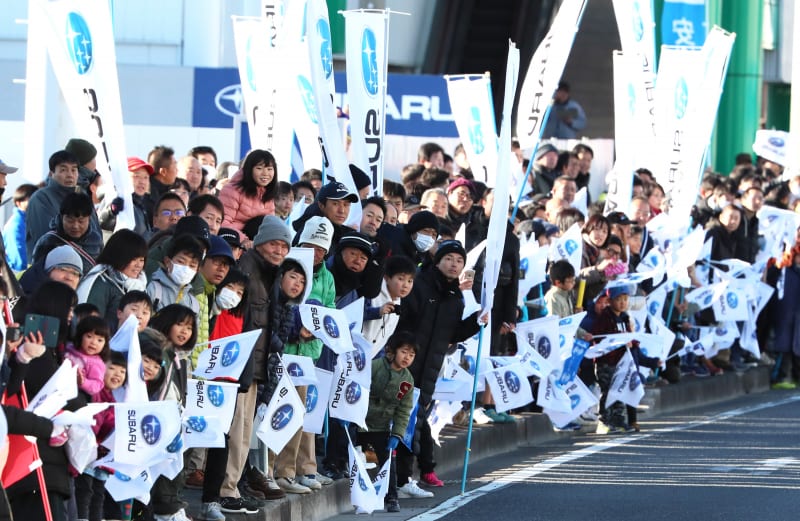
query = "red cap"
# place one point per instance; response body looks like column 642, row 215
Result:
column 135, row 163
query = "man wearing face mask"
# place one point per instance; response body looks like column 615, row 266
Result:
column 172, row 282
column 415, row 238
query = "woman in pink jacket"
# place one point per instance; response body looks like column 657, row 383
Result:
column 251, row 192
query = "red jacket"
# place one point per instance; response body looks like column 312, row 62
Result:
column 227, row 325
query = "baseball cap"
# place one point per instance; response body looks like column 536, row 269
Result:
column 411, row 202
column 7, row 169
column 356, row 240
column 317, row 231
column 618, row 218
column 336, row 191
column 135, row 163
column 220, row 248
column 543, row 149
column 194, row 226
column 230, row 236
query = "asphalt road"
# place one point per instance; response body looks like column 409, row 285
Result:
column 738, row 460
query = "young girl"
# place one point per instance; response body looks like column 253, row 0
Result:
column 229, row 299
column 89, row 353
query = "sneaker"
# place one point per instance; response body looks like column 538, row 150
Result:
column 634, row 427
column 431, row 479
column 391, row 505
column 605, row 428
column 245, row 490
column 412, row 490
column 701, row 371
column 741, row 367
column 310, row 482
column 589, row 416
column 333, row 473
column 195, row 479
column 571, row 426
column 291, row 486
column 480, row 417
column 263, row 484
column 508, row 417
column 210, row 512
column 495, row 416
column 766, row 360
column 180, row 515
column 323, row 480
column 237, row 505
column 785, row 385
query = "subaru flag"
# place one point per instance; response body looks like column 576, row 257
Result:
column 126, row 340
column 510, row 387
column 56, row 392
column 303, row 106
column 145, row 431
column 226, row 357
column 626, row 384
column 137, row 485
column 541, row 335
column 300, row 369
column 609, row 343
column 569, row 247
column 567, row 329
column 354, row 312
column 203, row 431
column 773, row 145
column 381, row 482
column 725, row 333
column 544, row 72
column 573, row 362
column 362, row 493
column 440, row 416
column 348, row 401
column 204, row 398
column 532, row 362
column 252, row 48
column 80, row 43
column 704, row 296
column 408, row 437
column 667, row 336
column 532, row 265
column 655, row 302
column 551, row 395
column 329, row 325
column 628, row 136
column 366, row 45
column 473, row 110
column 578, row 399
column 732, row 306
column 317, row 395
column 283, row 416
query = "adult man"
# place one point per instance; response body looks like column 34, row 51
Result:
column 210, row 209
column 564, row 189
column 169, row 210
column 5, row 273
column 87, row 161
column 333, row 202
column 62, row 264
column 431, row 155
column 415, row 238
column 165, row 170
column 752, row 199
column 566, row 118
column 460, row 199
column 205, row 154
column 189, row 169
column 585, row 156
column 72, row 226
column 544, row 171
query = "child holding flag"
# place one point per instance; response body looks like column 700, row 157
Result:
column 390, row 405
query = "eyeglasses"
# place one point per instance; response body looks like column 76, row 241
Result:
column 614, row 253
column 170, row 213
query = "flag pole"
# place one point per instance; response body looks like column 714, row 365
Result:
column 472, row 410
column 48, row 514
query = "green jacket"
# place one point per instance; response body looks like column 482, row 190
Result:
column 204, row 297
column 323, row 292
column 391, row 398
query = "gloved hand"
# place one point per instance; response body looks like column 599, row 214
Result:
column 394, row 441
column 33, row 347
column 117, row 205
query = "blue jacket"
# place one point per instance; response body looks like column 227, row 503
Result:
column 14, row 241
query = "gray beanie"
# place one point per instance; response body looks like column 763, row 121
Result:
column 272, row 229
column 63, row 257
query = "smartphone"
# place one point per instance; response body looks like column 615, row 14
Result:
column 47, row 326
column 467, row 275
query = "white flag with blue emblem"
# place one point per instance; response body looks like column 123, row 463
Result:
column 145, row 433
column 251, row 42
column 440, row 416
column 282, row 417
column 126, row 340
column 567, row 329
column 362, row 493
column 510, row 387
column 354, row 312
column 204, row 398
column 202, row 431
column 661, row 332
column 56, row 392
column 551, row 395
column 317, row 402
column 532, row 265
column 366, row 35
column 569, row 247
column 227, row 357
column 637, row 310
column 626, row 385
column 349, row 400
column 705, row 296
column 655, row 302
column 541, row 335
column 532, row 362
column 137, row 485
column 732, row 306
column 300, row 369
column 578, row 399
column 355, row 364
column 725, row 333
column 329, row 325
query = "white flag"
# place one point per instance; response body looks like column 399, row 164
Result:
column 80, row 43
column 123, row 487
column 569, row 247
column 146, row 432
column 655, row 302
column 567, row 329
column 473, row 111
column 533, row 264
column 56, row 392
column 354, row 312
column 773, row 145
column 610, row 343
column 329, row 325
column 579, row 398
column 349, row 401
column 510, row 387
column 126, row 340
column 637, row 310
column 732, row 306
column 218, row 399
column 203, row 431
column 317, row 402
column 550, row 395
column 533, row 363
column 355, row 365
column 226, row 357
column 442, row 415
column 725, row 334
column 362, row 493
column 541, row 335
column 705, row 296
column 366, row 37
column 300, row 369
column 660, row 329
column 283, row 416
column 303, row 106
column 626, row 385
column 252, row 50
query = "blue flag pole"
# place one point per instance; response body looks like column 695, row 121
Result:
column 530, row 165
column 472, row 410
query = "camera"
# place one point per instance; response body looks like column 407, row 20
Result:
column 397, row 309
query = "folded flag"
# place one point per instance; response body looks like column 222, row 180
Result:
column 226, row 358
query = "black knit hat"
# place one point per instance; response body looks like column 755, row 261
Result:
column 446, row 247
column 360, row 178
column 82, row 149
column 355, row 240
column 420, row 220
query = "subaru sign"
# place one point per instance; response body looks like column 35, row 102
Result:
column 369, row 62
column 151, row 429
column 79, row 43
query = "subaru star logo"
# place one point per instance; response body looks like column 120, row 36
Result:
column 359, row 358
column 249, row 68
column 176, row 444
column 362, row 484
column 79, row 43
column 475, row 130
column 215, row 395
column 122, row 477
column 325, row 51
column 369, row 62
column 523, row 265
column 570, row 246
column 281, row 417
column 681, row 98
column 469, row 361
column 229, row 100
column 776, row 141
column 574, row 400
column 331, row 328
column 196, row 423
column 294, row 369
column 721, row 331
column 151, row 429
column 653, row 308
column 307, row 95
column 352, row 393
column 312, row 395
column 636, row 380
column 562, row 340
column 637, row 23
column 512, row 381
column 707, row 300
column 732, row 300
column 230, row 354
column 544, row 347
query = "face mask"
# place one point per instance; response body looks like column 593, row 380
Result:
column 182, row 275
column 795, row 190
column 424, row 242
column 130, row 284
column 228, row 299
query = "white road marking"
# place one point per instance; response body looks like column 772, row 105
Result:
column 456, row 502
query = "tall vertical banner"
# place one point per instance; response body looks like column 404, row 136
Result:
column 250, row 40
column 473, row 111
column 545, row 71
column 366, row 38
column 626, row 136
column 81, row 48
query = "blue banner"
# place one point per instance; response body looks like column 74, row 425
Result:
column 683, row 22
column 416, row 105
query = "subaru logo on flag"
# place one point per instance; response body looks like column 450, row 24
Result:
column 681, row 98
column 636, row 324
column 294, row 370
column 122, row 477
column 359, row 358
column 732, row 300
column 469, row 360
column 79, row 43
column 176, row 444
column 369, row 62
column 543, row 346
column 565, row 321
column 362, row 484
column 281, row 417
column 475, row 130
column 331, row 328
column 215, row 395
column 307, row 95
column 325, row 51
column 636, row 379
column 638, row 24
column 721, row 331
column 707, row 300
column 312, row 395
column 776, row 141
column 512, row 381
column 248, row 64
column 196, row 423
column 561, row 340
column 570, row 246
column 230, row 354
column 151, row 429
column 523, row 265
column 352, row 393
column 574, row 400
column 653, row 308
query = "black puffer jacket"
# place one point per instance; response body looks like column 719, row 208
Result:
column 747, row 239
column 433, row 313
